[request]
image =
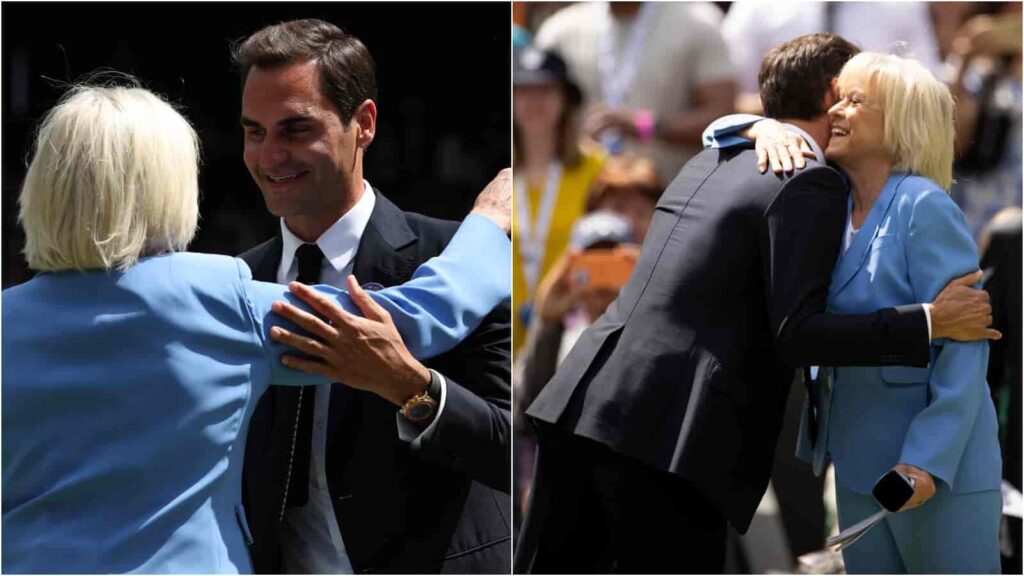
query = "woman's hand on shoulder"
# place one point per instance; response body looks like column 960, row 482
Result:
column 777, row 146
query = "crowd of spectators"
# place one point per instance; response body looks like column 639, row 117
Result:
column 610, row 100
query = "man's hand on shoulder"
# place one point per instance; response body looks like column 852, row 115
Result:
column 963, row 313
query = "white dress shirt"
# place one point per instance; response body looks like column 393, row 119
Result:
column 311, row 541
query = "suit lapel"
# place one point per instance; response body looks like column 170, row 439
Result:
column 380, row 258
column 266, row 259
column 854, row 258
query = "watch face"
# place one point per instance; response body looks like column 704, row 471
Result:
column 420, row 411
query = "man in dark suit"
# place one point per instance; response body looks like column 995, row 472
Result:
column 406, row 471
column 660, row 425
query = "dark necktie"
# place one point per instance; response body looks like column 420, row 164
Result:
column 310, row 258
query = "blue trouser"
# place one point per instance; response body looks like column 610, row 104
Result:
column 949, row 534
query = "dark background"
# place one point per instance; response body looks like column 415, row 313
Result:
column 443, row 80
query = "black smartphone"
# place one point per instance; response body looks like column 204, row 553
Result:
column 893, row 490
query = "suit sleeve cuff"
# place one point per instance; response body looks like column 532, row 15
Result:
column 722, row 133
column 916, row 337
column 409, row 432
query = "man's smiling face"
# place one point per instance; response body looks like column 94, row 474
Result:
column 299, row 151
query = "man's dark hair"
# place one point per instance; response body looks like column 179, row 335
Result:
column 347, row 74
column 796, row 75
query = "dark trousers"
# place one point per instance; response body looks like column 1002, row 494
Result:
column 595, row 511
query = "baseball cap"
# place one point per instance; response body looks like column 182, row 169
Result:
column 535, row 66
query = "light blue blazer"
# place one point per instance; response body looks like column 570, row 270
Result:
column 126, row 398
column 940, row 418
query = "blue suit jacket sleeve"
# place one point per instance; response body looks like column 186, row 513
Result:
column 444, row 301
column 940, row 248
column 722, row 132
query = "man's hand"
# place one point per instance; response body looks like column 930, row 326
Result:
column 495, row 201
column 963, row 313
column 778, row 146
column 364, row 353
column 924, row 485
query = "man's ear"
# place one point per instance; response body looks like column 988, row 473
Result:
column 365, row 121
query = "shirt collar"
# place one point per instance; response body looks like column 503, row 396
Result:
column 339, row 242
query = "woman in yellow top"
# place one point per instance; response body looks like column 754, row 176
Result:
column 552, row 173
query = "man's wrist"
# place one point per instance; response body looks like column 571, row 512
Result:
column 415, row 382
column 937, row 327
column 421, row 408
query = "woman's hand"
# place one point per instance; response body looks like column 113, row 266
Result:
column 924, row 485
column 778, row 146
column 495, row 201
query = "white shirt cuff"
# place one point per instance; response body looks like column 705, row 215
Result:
column 409, row 432
column 928, row 316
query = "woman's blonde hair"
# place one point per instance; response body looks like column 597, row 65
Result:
column 918, row 111
column 114, row 178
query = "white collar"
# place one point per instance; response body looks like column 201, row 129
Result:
column 340, row 241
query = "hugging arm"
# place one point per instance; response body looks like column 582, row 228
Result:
column 447, row 298
column 725, row 131
column 776, row 146
column 802, row 233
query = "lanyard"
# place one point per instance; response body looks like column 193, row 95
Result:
column 617, row 79
column 531, row 238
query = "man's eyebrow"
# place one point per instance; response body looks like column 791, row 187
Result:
column 287, row 121
column 294, row 119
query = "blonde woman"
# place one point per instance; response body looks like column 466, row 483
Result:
column 131, row 368
column 892, row 134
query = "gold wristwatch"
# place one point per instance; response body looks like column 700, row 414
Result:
column 422, row 407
